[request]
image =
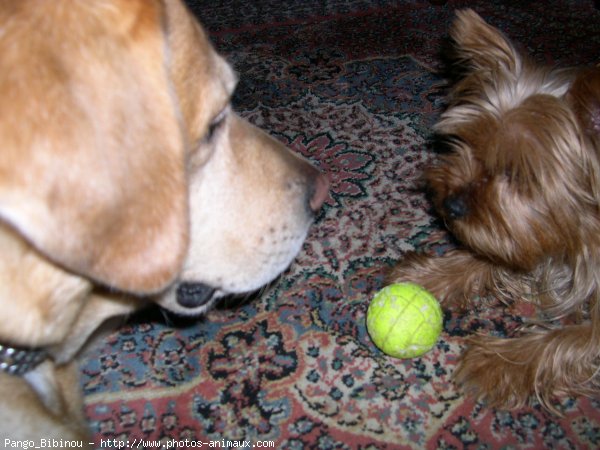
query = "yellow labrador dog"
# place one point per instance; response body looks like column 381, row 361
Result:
column 125, row 177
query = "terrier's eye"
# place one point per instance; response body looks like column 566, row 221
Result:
column 512, row 175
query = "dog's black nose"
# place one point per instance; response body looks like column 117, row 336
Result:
column 455, row 206
column 192, row 295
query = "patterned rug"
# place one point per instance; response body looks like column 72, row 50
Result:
column 353, row 85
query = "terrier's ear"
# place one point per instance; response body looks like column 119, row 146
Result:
column 584, row 97
column 481, row 46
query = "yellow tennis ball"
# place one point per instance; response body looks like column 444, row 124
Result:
column 404, row 320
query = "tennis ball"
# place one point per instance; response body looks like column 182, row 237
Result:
column 404, row 320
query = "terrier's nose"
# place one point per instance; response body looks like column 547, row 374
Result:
column 455, row 206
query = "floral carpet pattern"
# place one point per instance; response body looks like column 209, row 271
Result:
column 354, row 86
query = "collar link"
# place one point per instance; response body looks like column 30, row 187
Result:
column 20, row 360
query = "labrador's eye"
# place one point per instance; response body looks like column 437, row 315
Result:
column 216, row 124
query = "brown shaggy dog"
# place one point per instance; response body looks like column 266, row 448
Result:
column 521, row 191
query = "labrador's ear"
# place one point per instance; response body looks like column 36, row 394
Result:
column 92, row 155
